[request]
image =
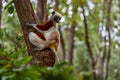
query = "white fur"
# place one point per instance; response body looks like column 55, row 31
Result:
column 50, row 32
column 35, row 40
column 34, row 25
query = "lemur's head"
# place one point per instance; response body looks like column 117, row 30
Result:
column 55, row 16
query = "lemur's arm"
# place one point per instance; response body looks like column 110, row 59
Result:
column 35, row 27
column 42, row 27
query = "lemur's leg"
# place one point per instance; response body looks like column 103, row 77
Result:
column 37, row 49
column 36, row 41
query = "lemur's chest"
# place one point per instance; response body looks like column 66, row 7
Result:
column 51, row 33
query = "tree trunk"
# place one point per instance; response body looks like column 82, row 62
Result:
column 26, row 15
column 92, row 60
column 71, row 44
column 42, row 10
column 102, row 50
column 72, row 34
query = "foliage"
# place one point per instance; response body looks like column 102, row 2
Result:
column 58, row 72
column 9, row 7
column 16, row 66
column 84, row 76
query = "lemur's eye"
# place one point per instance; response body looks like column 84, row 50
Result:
column 57, row 19
column 53, row 12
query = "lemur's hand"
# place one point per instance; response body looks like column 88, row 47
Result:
column 30, row 24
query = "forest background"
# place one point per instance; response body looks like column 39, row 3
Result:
column 90, row 40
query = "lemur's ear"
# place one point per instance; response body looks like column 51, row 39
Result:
column 53, row 12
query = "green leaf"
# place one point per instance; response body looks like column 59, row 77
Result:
column 3, row 61
column 16, row 54
column 11, row 9
column 7, row 6
column 22, row 60
column 26, row 59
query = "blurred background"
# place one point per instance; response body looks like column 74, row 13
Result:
column 90, row 40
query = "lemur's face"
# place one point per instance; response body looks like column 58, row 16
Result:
column 56, row 16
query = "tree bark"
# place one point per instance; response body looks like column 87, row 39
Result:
column 71, row 44
column 72, row 34
column 42, row 10
column 26, row 15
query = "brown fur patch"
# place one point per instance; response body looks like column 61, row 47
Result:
column 40, row 35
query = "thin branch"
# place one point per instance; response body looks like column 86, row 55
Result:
column 0, row 19
column 103, row 17
column 88, row 44
column 0, row 12
column 102, row 50
column 61, row 35
column 108, row 26
column 62, row 44
column 87, row 37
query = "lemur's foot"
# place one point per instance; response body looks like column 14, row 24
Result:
column 35, row 49
column 41, row 47
column 30, row 24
